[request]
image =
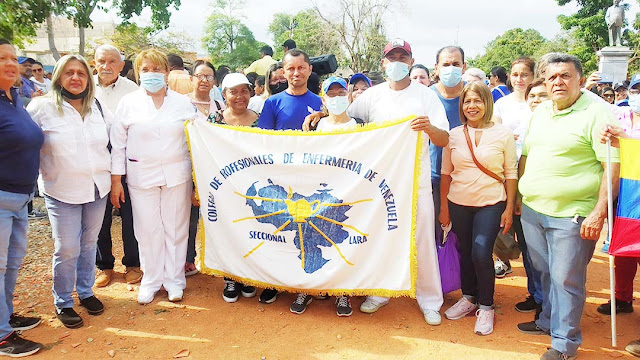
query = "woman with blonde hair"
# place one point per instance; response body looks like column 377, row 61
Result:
column 150, row 148
column 75, row 168
column 479, row 178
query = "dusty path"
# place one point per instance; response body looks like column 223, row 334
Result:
column 209, row 328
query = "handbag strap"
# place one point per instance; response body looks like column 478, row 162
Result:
column 473, row 156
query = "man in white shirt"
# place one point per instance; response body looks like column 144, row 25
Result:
column 397, row 98
column 110, row 88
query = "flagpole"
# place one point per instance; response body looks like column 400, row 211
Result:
column 612, row 279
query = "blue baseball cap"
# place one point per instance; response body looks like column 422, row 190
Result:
column 333, row 80
column 358, row 77
column 635, row 80
column 24, row 59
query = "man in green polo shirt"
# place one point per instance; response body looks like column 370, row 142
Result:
column 564, row 198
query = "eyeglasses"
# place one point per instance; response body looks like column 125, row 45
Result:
column 634, row 91
column 203, row 77
column 38, row 70
column 612, row 95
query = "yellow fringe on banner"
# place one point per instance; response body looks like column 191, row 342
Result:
column 331, row 292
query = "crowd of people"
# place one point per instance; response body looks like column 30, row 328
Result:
column 518, row 151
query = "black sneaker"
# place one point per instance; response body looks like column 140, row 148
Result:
column 529, row 305
column 531, row 328
column 15, row 346
column 35, row 214
column 268, row 296
column 300, row 305
column 93, row 305
column 343, row 306
column 247, row 291
column 22, row 323
column 69, row 318
column 621, row 307
column 231, row 291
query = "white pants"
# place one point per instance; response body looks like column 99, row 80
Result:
column 161, row 226
column 428, row 286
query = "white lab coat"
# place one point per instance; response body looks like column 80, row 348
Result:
column 149, row 146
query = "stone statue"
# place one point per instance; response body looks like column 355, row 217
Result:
column 615, row 18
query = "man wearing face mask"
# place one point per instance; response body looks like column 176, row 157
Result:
column 449, row 67
column 110, row 88
column 397, row 98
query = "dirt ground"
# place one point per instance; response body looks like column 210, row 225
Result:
column 203, row 326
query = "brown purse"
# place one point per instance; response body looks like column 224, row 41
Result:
column 473, row 156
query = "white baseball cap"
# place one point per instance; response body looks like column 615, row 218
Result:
column 233, row 80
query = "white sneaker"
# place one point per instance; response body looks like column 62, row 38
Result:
column 370, row 306
column 175, row 295
column 432, row 317
column 460, row 309
column 484, row 322
column 145, row 296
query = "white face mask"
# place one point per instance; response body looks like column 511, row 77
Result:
column 337, row 104
column 634, row 103
column 152, row 81
column 397, row 70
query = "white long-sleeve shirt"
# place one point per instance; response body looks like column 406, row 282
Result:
column 149, row 144
column 74, row 158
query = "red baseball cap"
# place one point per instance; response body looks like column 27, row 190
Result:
column 397, row 44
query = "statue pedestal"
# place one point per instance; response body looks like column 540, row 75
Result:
column 614, row 63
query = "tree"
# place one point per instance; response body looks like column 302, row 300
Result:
column 360, row 29
column 507, row 47
column 20, row 19
column 309, row 33
column 227, row 39
column 131, row 39
column 18, row 16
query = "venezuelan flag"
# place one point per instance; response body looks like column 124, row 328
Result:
column 626, row 231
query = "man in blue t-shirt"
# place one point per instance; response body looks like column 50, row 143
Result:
column 449, row 67
column 287, row 110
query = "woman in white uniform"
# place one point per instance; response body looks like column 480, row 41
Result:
column 149, row 146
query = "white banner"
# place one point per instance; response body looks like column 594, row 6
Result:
column 309, row 212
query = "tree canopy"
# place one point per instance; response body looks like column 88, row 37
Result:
column 309, row 33
column 227, row 39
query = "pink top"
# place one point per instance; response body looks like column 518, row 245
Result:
column 496, row 152
column 626, row 118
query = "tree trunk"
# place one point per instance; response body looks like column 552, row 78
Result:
column 52, row 43
column 81, row 45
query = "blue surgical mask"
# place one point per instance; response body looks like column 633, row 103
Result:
column 450, row 75
column 337, row 104
column 397, row 70
column 634, row 103
column 152, row 81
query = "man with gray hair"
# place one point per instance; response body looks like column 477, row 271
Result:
column 563, row 199
column 110, row 88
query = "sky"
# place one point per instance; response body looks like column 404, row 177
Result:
column 426, row 24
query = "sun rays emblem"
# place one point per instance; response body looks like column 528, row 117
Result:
column 295, row 212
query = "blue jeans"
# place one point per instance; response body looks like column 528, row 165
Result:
column 75, row 229
column 13, row 247
column 477, row 228
column 534, row 284
column 561, row 256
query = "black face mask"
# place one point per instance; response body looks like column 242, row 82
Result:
column 278, row 88
column 71, row 96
